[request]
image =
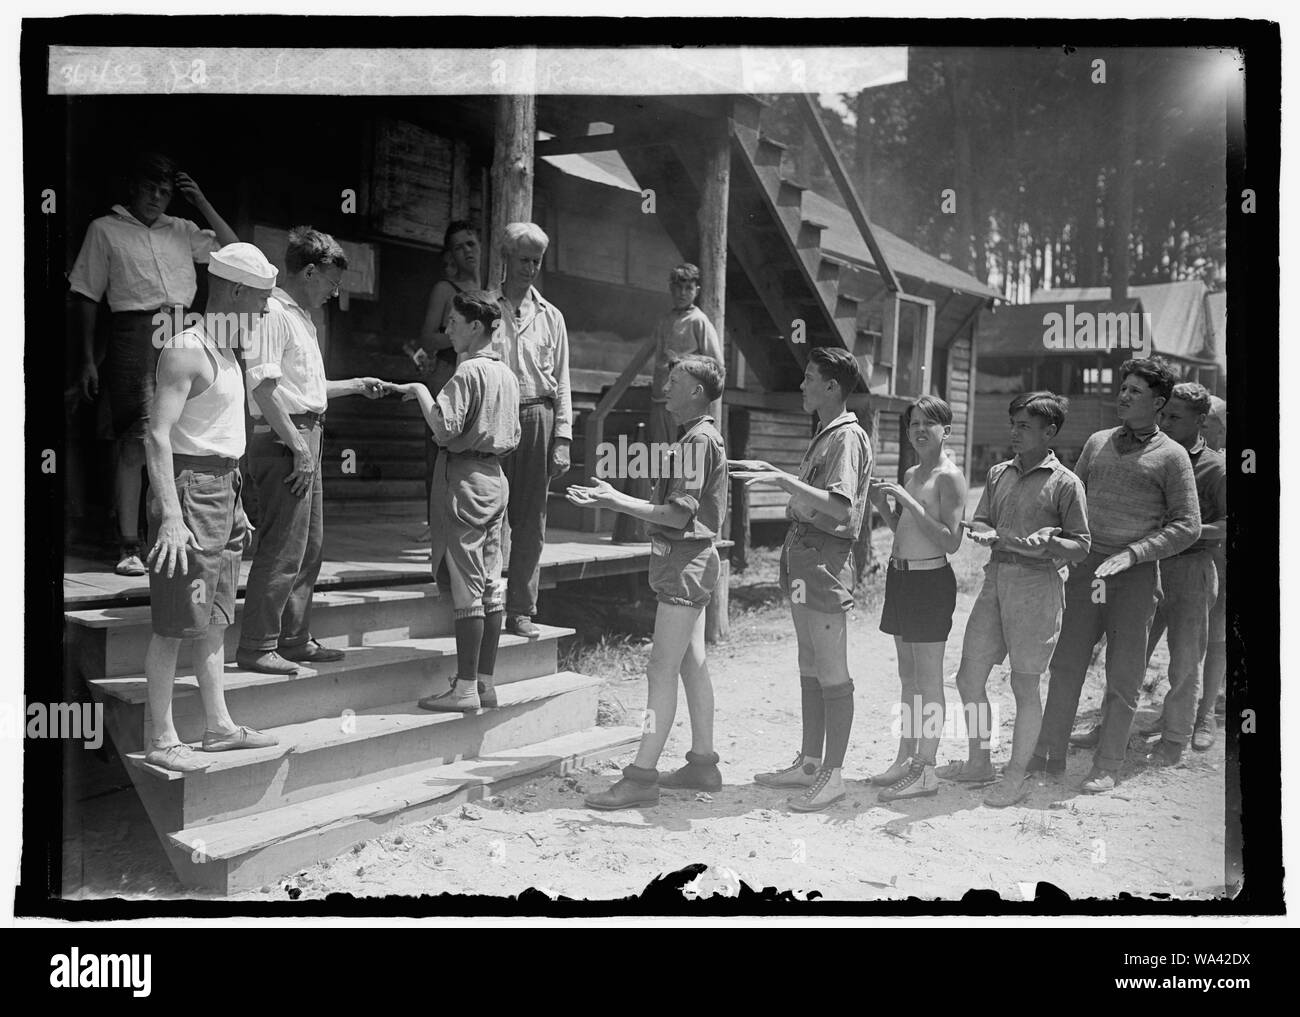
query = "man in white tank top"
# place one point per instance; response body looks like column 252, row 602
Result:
column 197, row 527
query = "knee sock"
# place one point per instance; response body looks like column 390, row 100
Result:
column 838, row 703
column 814, row 716
column 487, row 654
column 469, row 640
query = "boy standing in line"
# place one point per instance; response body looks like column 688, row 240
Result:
column 826, row 507
column 685, row 514
column 1033, row 515
column 475, row 421
column 1142, row 507
column 683, row 331
column 921, row 591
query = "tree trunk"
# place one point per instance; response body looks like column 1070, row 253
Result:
column 512, row 172
column 1125, row 157
column 957, row 83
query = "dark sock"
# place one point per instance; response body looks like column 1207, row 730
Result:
column 469, row 638
column 838, row 703
column 814, row 716
column 487, row 654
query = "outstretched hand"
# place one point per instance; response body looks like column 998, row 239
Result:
column 600, row 494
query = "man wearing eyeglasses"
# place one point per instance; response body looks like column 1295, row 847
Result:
column 287, row 397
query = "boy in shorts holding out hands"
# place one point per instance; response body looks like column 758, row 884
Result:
column 475, row 422
column 827, row 503
column 1033, row 515
column 921, row 591
column 685, row 514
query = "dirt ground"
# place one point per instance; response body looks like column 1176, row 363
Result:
column 1161, row 832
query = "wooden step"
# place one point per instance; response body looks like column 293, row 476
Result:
column 769, row 151
column 111, row 642
column 249, row 852
column 331, row 754
column 348, row 488
column 345, row 510
column 351, row 429
column 375, row 467
column 367, row 677
column 810, row 233
column 790, row 193
column 374, row 448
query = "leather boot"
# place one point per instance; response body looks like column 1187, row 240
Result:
column 638, row 787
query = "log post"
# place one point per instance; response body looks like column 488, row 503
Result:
column 712, row 219
column 512, row 172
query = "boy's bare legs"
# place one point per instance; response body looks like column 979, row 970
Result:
column 972, row 686
column 927, row 660
column 908, row 716
column 675, row 627
column 699, row 690
column 1029, row 721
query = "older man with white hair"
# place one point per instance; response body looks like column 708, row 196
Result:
column 535, row 346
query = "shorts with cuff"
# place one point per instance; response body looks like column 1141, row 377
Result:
column 1016, row 614
column 817, row 570
column 187, row 604
column 467, row 509
column 919, row 604
column 683, row 572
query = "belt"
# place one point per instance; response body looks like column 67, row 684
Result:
column 184, row 462
column 536, row 402
column 1195, row 549
column 309, row 419
column 1024, row 561
column 798, row 529
column 917, row 564
column 471, row 454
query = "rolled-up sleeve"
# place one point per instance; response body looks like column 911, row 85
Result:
column 202, row 242
column 262, row 358
column 983, row 509
column 455, row 404
column 89, row 275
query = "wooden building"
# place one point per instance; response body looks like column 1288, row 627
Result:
column 784, row 269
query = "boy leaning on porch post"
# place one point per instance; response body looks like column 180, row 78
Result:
column 475, row 423
column 683, row 330
column 685, row 515
column 198, row 530
column 1033, row 516
column 827, row 504
column 1142, row 507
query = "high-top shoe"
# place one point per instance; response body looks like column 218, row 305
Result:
column 801, row 773
column 920, row 781
column 462, row 697
column 826, row 789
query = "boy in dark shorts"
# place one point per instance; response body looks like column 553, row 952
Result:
column 1033, row 516
column 475, row 421
column 685, row 514
column 826, row 507
column 921, row 591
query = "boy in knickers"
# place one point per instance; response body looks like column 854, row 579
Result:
column 685, row 514
column 475, row 421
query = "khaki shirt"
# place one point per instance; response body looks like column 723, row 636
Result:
column 695, row 477
column 838, row 461
column 478, row 409
column 1016, row 502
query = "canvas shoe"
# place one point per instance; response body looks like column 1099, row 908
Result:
column 462, row 697
column 920, row 781
column 826, row 790
column 801, row 773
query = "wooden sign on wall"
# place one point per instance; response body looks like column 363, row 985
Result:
column 411, row 182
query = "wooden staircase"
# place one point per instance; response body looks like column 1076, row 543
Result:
column 356, row 757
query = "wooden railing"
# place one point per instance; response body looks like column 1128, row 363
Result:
column 594, row 434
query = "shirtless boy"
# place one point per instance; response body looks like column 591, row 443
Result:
column 921, row 591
